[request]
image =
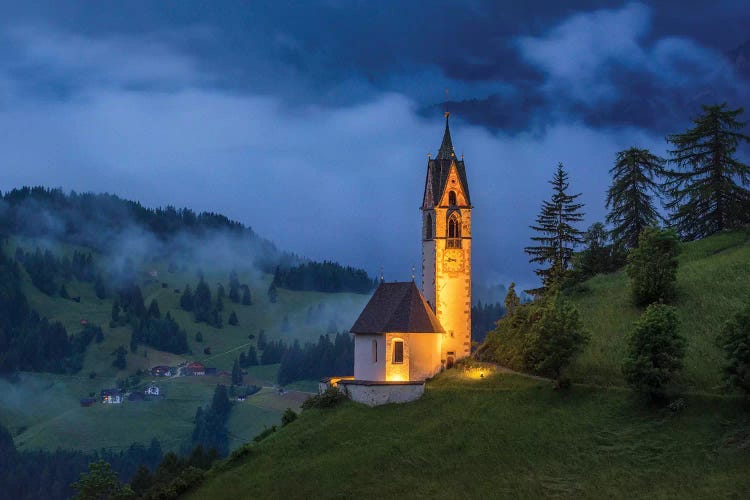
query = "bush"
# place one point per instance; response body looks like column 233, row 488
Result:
column 655, row 352
column 735, row 342
column 652, row 266
column 542, row 337
column 288, row 417
column 328, row 399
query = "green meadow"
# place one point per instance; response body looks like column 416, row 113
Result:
column 713, row 281
column 43, row 410
column 505, row 436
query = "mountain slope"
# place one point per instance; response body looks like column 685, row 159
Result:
column 503, row 436
column 713, row 281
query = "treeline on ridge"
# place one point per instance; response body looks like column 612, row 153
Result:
column 325, row 276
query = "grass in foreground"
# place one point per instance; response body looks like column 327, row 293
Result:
column 504, row 436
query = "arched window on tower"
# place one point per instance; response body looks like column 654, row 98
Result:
column 454, row 231
column 452, row 198
column 428, row 227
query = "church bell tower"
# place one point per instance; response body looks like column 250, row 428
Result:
column 446, row 248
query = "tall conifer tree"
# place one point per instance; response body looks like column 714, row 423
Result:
column 556, row 235
column 630, row 196
column 708, row 188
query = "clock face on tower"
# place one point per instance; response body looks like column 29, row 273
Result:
column 453, row 260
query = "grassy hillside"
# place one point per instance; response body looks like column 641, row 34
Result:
column 713, row 281
column 43, row 411
column 504, row 436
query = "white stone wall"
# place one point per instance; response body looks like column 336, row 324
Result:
column 364, row 367
column 397, row 371
column 425, row 355
column 375, row 395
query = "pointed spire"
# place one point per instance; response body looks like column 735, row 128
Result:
column 446, row 148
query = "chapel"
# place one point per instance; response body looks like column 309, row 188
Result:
column 405, row 335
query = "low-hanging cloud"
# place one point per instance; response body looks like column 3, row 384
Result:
column 341, row 183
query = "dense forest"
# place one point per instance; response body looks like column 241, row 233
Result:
column 44, row 474
column 326, row 276
column 97, row 221
column 29, row 341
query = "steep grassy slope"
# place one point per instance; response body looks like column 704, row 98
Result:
column 713, row 281
column 505, row 436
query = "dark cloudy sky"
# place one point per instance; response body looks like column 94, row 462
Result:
column 311, row 122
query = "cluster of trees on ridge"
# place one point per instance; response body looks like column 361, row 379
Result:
column 31, row 342
column 705, row 191
column 311, row 361
column 95, row 221
column 49, row 474
column 325, row 276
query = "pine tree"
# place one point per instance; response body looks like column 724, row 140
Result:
column 247, row 299
column 236, row 373
column 186, row 301
column 655, row 351
column 708, row 189
column 652, row 266
column 630, row 196
column 120, row 362
column 234, row 287
column 233, row 319
column 511, row 300
column 153, row 310
column 557, row 236
column 252, row 356
column 735, row 342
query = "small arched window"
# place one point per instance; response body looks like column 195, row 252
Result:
column 454, row 226
column 374, row 351
column 452, row 198
column 428, row 227
column 398, row 351
column 454, row 231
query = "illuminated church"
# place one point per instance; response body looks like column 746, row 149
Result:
column 404, row 335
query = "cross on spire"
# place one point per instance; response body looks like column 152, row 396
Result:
column 446, row 148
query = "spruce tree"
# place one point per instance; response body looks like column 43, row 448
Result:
column 557, row 236
column 153, row 310
column 511, row 300
column 247, row 299
column 236, row 373
column 708, row 187
column 630, row 198
column 186, row 301
column 252, row 356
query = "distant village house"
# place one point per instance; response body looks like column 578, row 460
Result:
column 161, row 371
column 196, row 368
column 111, row 396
